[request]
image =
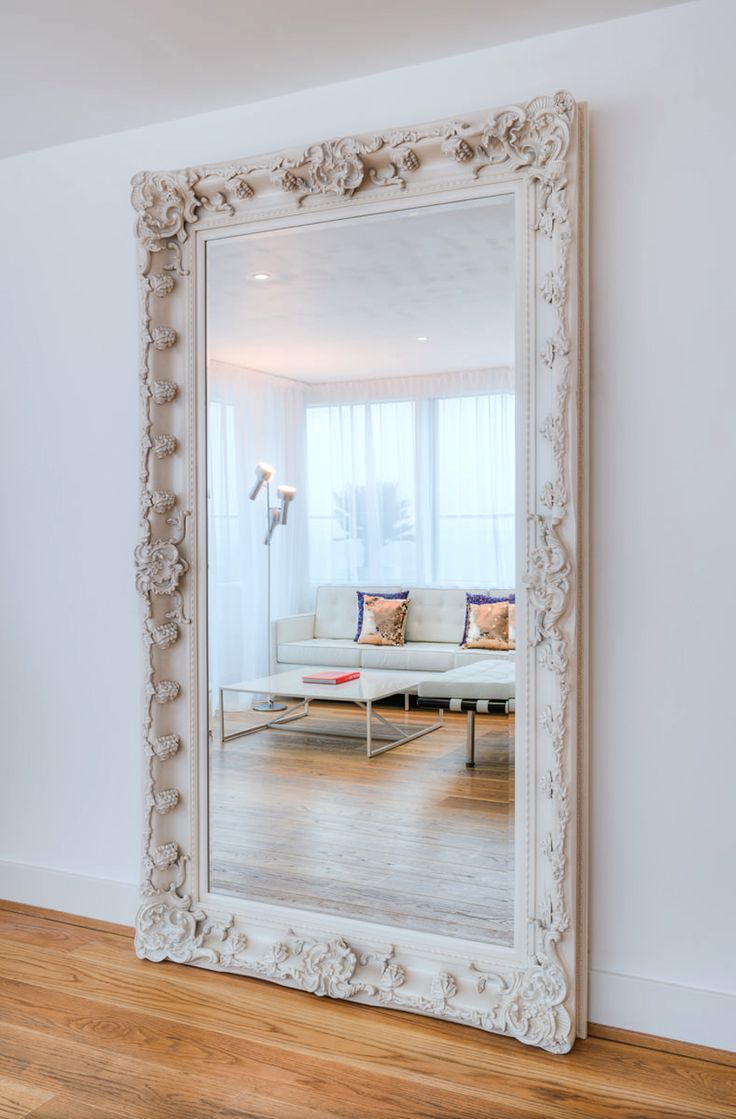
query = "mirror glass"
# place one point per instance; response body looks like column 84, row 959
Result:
column 361, row 498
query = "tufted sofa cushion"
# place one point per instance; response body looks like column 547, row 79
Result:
column 332, row 652
column 490, row 679
column 336, row 611
column 436, row 615
column 415, row 656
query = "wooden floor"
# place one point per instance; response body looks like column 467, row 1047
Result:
column 411, row 835
column 87, row 1031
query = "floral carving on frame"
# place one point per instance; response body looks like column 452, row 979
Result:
column 537, row 147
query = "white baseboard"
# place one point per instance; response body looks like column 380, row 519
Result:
column 80, row 894
column 649, row 1006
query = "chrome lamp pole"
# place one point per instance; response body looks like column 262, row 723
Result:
column 275, row 515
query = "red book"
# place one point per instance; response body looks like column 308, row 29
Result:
column 330, row 677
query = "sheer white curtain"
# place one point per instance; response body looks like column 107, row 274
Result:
column 475, row 488
column 251, row 417
column 362, row 492
column 412, row 480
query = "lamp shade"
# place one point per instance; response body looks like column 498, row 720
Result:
column 286, row 493
column 264, row 473
column 274, row 518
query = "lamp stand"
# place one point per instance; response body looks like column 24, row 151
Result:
column 269, row 704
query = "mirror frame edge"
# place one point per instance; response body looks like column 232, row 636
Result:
column 545, row 142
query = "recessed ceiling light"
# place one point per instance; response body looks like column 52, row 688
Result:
column 261, row 275
column 422, row 338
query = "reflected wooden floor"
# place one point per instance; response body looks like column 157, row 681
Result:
column 411, row 837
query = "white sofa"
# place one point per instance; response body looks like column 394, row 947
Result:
column 434, row 629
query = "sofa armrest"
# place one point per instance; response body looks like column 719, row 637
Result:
column 299, row 627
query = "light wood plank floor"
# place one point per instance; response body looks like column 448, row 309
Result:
column 411, row 837
column 87, row 1031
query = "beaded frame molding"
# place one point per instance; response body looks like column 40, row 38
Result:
column 536, row 991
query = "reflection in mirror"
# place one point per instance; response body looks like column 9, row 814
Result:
column 361, row 567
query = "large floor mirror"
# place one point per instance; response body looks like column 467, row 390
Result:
column 361, row 459
column 362, row 568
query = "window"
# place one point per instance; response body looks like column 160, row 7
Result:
column 412, row 491
column 223, row 522
column 361, row 491
column 475, row 486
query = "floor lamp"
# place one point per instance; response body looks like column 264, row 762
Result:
column 275, row 515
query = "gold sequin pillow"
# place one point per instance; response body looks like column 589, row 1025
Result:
column 487, row 626
column 384, row 621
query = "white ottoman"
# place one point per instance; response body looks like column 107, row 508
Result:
column 473, row 688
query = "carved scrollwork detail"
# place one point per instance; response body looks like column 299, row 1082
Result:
column 163, row 337
column 163, row 501
column 159, row 567
column 165, row 635
column 166, row 746
column 443, row 988
column 164, row 445
column 162, row 284
column 166, row 932
column 169, row 929
column 165, row 856
column 243, row 189
column 165, row 691
column 288, row 181
column 392, row 974
column 553, row 494
column 554, row 348
column 553, row 429
column 165, row 204
column 163, row 392
column 160, row 501
column 548, row 583
column 333, row 968
column 535, row 137
column 320, row 967
column 455, row 145
column 554, row 287
column 529, row 1004
column 407, row 159
column 337, row 167
column 164, row 800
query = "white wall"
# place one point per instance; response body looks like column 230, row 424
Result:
column 660, row 90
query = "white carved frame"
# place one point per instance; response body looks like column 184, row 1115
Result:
column 536, row 990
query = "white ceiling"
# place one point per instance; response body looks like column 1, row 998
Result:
column 71, row 69
column 349, row 299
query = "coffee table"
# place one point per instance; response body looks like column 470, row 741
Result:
column 371, row 686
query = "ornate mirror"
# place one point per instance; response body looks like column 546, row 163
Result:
column 363, row 516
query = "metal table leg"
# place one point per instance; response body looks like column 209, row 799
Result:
column 400, row 739
column 301, row 709
column 298, row 710
column 470, row 740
